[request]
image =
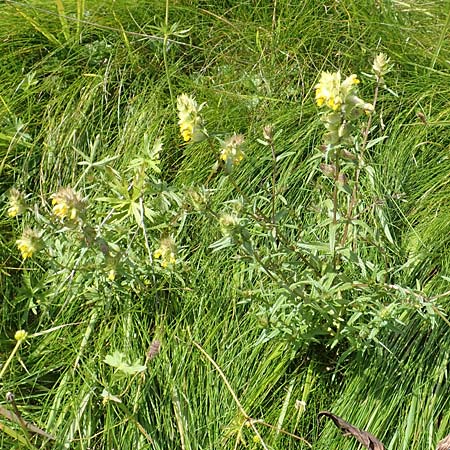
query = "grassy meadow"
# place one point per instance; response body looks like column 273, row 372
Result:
column 217, row 288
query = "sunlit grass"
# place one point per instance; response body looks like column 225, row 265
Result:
column 101, row 87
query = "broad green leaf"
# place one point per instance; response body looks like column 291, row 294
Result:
column 117, row 360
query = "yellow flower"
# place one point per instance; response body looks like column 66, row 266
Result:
column 190, row 120
column 348, row 85
column 29, row 243
column 231, row 153
column 112, row 275
column 328, row 90
column 68, row 204
column 16, row 203
column 20, row 335
column 167, row 252
column 14, row 211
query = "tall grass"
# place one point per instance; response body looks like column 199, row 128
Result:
column 83, row 76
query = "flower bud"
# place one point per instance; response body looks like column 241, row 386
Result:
column 20, row 335
column 268, row 133
column 381, row 66
column 16, row 203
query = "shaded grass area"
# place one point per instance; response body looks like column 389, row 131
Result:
column 105, row 84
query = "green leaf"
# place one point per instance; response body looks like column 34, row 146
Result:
column 117, row 360
column 375, row 141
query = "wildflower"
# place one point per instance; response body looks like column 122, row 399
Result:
column 268, row 133
column 355, row 105
column 16, row 203
column 112, row 275
column 197, row 198
column 328, row 90
column 381, row 66
column 228, row 224
column 29, row 243
column 231, row 153
column 345, row 105
column 167, row 252
column 190, row 120
column 348, row 85
column 336, row 95
column 68, row 204
column 20, row 335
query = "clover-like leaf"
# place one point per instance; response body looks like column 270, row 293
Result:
column 117, row 360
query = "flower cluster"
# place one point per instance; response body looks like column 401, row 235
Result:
column 16, row 203
column 190, row 120
column 20, row 335
column 29, row 243
column 381, row 66
column 197, row 198
column 231, row 153
column 344, row 104
column 229, row 223
column 68, row 204
column 166, row 252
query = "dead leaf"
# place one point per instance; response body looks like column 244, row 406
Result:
column 365, row 438
column 444, row 444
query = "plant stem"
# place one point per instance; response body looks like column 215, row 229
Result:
column 354, row 197
column 274, row 174
column 11, row 356
column 261, row 218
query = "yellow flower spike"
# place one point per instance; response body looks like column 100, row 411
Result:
column 190, row 120
column 61, row 210
column 16, row 203
column 328, row 90
column 349, row 88
column 186, row 133
column 231, row 153
column 20, row 335
column 68, row 204
column 350, row 81
column 166, row 252
column 29, row 243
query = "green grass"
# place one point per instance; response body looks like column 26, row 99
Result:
column 69, row 85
